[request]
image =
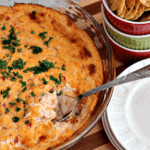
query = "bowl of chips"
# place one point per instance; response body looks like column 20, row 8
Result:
column 129, row 16
column 124, row 54
column 138, row 42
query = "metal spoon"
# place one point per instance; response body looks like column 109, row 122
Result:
column 138, row 74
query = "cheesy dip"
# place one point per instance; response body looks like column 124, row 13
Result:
column 45, row 61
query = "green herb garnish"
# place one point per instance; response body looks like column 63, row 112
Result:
column 7, row 55
column 32, row 85
column 16, row 119
column 3, row 28
column 49, row 41
column 44, row 81
column 56, row 80
column 23, row 83
column 27, row 121
column 42, row 35
column 18, row 109
column 24, row 102
column 5, row 92
column 19, row 99
column 34, row 12
column 19, row 50
column 25, row 111
column 7, row 110
column 43, row 67
column 15, row 73
column 32, row 93
column 20, row 76
column 36, row 49
column 12, row 103
column 13, row 79
column 63, row 67
column 43, row 94
column 32, row 32
column 18, row 64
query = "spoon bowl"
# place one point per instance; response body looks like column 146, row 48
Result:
column 136, row 75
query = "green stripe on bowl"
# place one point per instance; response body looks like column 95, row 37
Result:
column 129, row 42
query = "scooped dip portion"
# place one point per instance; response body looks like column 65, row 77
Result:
column 45, row 62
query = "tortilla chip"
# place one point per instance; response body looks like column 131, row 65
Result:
column 145, row 2
column 123, row 12
column 121, row 6
column 113, row 4
column 140, row 11
column 129, row 6
column 134, row 10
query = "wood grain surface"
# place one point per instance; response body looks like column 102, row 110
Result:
column 96, row 139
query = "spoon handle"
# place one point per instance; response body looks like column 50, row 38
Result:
column 138, row 74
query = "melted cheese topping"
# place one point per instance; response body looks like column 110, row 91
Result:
column 44, row 58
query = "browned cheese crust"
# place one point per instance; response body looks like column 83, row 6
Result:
column 76, row 62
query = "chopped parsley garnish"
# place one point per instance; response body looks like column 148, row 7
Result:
column 7, row 110
column 25, row 111
column 15, row 43
column 3, row 28
column 32, row 85
column 44, row 81
column 5, row 74
column 11, row 41
column 43, row 67
column 19, row 99
column 42, row 35
column 58, row 94
column 43, row 94
column 25, row 88
column 36, row 49
column 19, row 50
column 10, row 68
column 7, row 55
column 55, row 79
column 26, row 46
column 5, row 92
column 3, row 64
column 15, row 73
column 18, row 64
column 24, row 102
column 0, row 114
column 32, row 93
column 12, row 103
column 34, row 12
column 16, row 119
column 63, row 67
column 27, row 121
column 49, row 41
column 23, row 83
column 13, row 79
column 18, row 109
column 26, row 70
column 20, row 76
column 32, row 32
column 11, row 48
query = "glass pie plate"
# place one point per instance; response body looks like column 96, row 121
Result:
column 86, row 22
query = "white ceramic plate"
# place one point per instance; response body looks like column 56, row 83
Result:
column 127, row 118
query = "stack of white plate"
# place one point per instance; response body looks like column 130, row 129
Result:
column 127, row 118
